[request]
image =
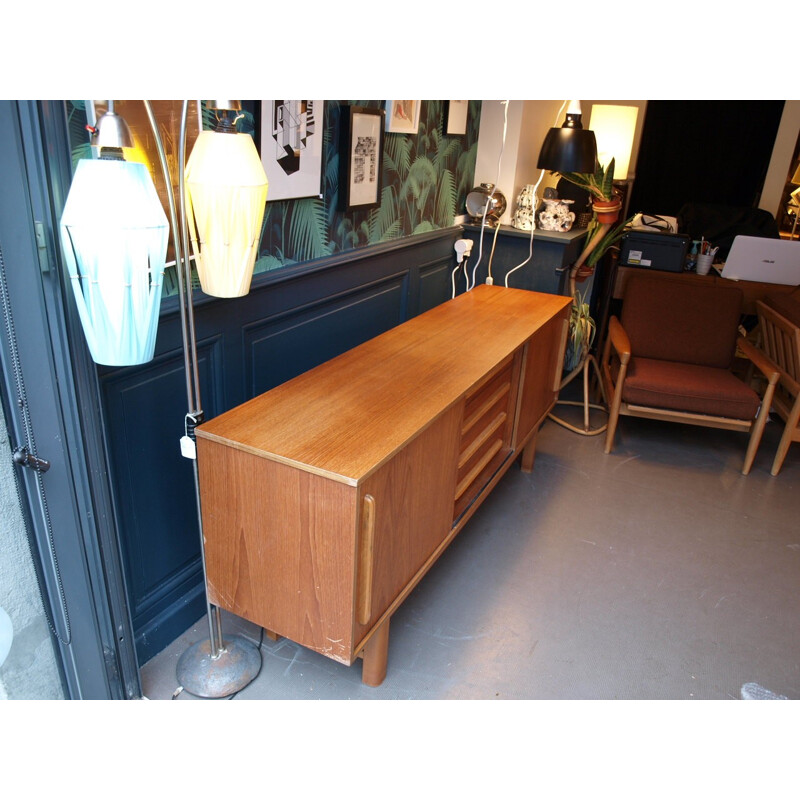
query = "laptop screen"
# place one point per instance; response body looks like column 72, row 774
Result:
column 755, row 258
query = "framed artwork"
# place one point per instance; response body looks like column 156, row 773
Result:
column 290, row 144
column 455, row 117
column 362, row 157
column 402, row 116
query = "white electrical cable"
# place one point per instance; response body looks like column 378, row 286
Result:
column 533, row 228
column 534, row 202
column 460, row 265
column 489, row 200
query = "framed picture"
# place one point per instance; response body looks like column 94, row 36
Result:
column 362, row 157
column 455, row 117
column 290, row 144
column 402, row 116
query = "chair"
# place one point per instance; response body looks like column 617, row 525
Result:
column 779, row 321
column 721, row 224
column 669, row 357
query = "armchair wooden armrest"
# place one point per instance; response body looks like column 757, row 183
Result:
column 760, row 360
column 618, row 339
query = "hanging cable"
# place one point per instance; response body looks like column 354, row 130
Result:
column 534, row 200
column 489, row 278
column 533, row 228
column 489, row 202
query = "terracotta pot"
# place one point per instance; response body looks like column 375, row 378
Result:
column 607, row 211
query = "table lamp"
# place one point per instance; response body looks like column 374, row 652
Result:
column 614, row 128
column 569, row 148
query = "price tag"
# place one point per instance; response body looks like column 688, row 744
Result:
column 188, row 447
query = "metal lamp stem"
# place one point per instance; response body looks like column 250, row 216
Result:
column 219, row 668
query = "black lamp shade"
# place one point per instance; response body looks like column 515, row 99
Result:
column 568, row 150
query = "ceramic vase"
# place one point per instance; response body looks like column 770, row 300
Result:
column 556, row 215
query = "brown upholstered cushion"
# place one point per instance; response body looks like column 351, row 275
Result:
column 786, row 305
column 688, row 387
column 671, row 320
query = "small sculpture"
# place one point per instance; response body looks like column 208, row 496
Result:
column 556, row 215
column 524, row 215
column 479, row 198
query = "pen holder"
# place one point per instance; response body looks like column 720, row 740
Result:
column 704, row 263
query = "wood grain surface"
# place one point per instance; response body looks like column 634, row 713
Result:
column 348, row 416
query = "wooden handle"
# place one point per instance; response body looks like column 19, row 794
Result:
column 366, row 560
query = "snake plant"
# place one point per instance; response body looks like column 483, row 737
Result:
column 599, row 184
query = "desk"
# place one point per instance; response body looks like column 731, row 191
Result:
column 326, row 499
column 752, row 290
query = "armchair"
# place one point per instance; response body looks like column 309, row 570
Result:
column 669, row 357
column 779, row 320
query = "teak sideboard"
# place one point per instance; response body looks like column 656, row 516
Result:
column 326, row 499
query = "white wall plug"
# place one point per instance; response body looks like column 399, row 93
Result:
column 463, row 248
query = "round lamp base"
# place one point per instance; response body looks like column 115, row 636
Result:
column 201, row 675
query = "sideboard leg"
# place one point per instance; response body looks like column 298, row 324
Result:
column 376, row 656
column 271, row 635
column 528, row 454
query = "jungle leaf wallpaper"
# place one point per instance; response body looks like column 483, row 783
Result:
column 426, row 177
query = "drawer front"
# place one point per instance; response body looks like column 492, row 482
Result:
column 486, row 430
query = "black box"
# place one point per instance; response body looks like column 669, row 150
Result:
column 663, row 251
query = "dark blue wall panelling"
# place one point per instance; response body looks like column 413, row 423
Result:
column 292, row 320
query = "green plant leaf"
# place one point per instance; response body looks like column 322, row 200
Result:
column 607, row 182
column 609, row 239
column 446, row 199
column 384, row 218
column 266, row 263
column 308, row 230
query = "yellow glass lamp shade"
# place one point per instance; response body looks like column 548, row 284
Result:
column 114, row 235
column 615, row 127
column 226, row 190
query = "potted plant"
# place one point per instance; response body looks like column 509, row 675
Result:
column 581, row 332
column 602, row 233
column 606, row 204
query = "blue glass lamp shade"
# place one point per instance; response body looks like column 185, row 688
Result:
column 114, row 235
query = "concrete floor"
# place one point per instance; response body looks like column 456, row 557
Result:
column 658, row 571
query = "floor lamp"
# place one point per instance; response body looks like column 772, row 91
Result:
column 571, row 148
column 114, row 235
column 224, row 172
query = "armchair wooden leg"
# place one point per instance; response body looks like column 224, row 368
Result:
column 616, row 399
column 758, row 429
column 789, row 435
column 613, row 418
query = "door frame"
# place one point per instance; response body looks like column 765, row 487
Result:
column 70, row 507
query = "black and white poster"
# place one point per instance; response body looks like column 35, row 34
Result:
column 291, row 147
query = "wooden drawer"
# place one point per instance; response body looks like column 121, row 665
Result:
column 485, row 433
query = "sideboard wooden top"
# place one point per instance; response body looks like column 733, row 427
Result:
column 346, row 417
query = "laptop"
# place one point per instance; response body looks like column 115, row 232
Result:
column 755, row 258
